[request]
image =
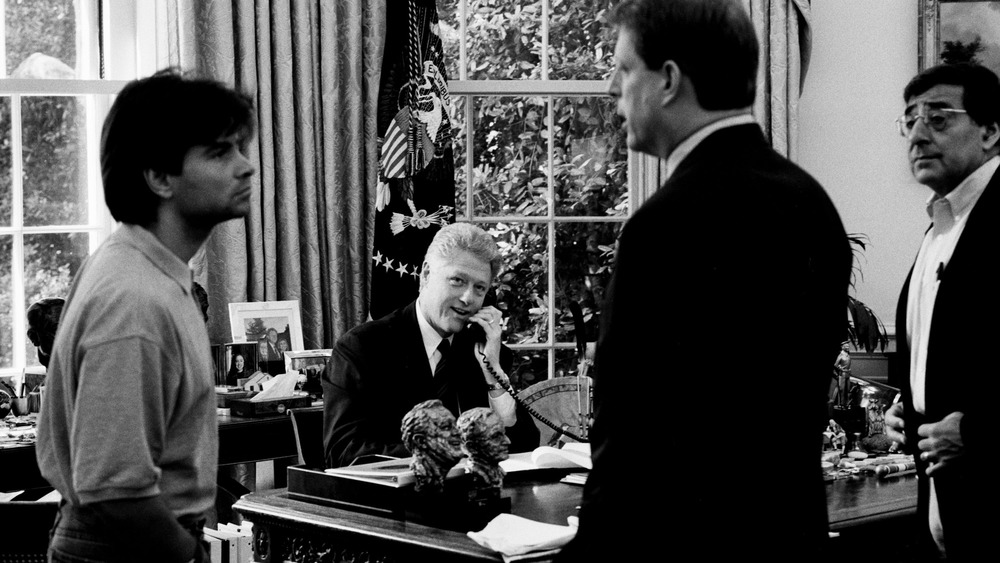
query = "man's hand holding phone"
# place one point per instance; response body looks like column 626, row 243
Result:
column 491, row 321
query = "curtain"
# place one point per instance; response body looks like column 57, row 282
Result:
column 783, row 29
column 313, row 68
column 785, row 36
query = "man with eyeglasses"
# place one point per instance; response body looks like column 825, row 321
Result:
column 949, row 308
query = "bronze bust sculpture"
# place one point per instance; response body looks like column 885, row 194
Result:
column 429, row 434
column 43, row 319
column 485, row 445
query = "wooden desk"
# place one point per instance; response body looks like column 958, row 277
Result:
column 874, row 517
column 861, row 500
column 287, row 528
column 290, row 529
column 241, row 440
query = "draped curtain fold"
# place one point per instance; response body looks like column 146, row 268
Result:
column 313, row 68
column 783, row 29
column 785, row 35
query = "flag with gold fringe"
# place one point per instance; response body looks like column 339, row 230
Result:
column 416, row 180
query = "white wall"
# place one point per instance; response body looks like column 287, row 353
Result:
column 863, row 54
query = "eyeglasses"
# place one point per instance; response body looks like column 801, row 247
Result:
column 935, row 118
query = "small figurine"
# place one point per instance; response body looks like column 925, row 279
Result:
column 842, row 369
column 429, row 434
column 485, row 444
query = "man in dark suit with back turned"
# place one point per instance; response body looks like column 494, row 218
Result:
column 379, row 370
column 949, row 308
column 737, row 241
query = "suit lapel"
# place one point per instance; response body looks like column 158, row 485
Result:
column 970, row 247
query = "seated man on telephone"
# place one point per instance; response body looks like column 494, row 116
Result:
column 444, row 345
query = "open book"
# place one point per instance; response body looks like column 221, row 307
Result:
column 389, row 472
column 573, row 455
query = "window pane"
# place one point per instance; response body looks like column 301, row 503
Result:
column 54, row 155
column 51, row 262
column 458, row 144
column 581, row 45
column 567, row 363
column 504, row 39
column 590, row 158
column 6, row 185
column 41, row 39
column 584, row 260
column 530, row 367
column 510, row 151
column 6, row 300
column 523, row 283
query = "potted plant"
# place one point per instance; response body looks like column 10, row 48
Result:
column 864, row 329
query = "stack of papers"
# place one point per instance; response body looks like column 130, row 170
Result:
column 278, row 387
column 575, row 478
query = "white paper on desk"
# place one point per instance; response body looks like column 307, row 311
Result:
column 51, row 496
column 282, row 385
column 513, row 535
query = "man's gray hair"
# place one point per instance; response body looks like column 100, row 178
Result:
column 467, row 237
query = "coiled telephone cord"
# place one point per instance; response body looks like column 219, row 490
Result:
column 505, row 383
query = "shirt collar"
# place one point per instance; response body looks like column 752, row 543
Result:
column 961, row 199
column 689, row 144
column 430, row 336
column 157, row 253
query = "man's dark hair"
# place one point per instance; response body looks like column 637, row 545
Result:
column 980, row 88
column 713, row 43
column 152, row 124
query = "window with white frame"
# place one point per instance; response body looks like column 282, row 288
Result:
column 541, row 162
column 55, row 89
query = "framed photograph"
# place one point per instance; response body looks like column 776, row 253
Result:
column 959, row 31
column 240, row 362
column 312, row 364
column 298, row 360
column 275, row 325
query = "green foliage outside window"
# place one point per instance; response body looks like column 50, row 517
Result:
column 524, row 160
column 54, row 186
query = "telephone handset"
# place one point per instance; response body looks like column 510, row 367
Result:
column 476, row 332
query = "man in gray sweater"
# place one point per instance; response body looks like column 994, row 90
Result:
column 128, row 432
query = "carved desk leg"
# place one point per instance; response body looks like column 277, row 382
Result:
column 277, row 542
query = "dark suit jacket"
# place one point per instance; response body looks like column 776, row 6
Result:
column 378, row 371
column 269, row 352
column 962, row 376
column 739, row 259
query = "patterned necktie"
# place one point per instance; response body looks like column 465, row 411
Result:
column 443, row 347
